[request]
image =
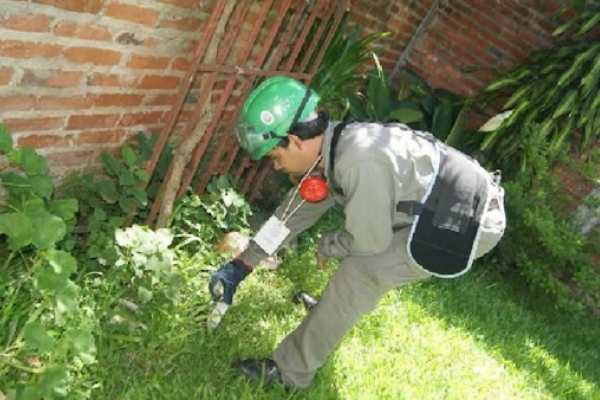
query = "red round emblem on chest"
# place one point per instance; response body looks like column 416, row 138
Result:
column 314, row 189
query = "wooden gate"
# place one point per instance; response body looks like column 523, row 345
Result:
column 243, row 41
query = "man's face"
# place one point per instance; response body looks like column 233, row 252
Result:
column 294, row 159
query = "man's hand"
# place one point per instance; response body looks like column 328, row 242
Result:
column 225, row 281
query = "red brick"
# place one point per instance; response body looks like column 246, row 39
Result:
column 92, row 121
column 20, row 49
column 17, row 103
column 160, row 100
column 76, row 158
column 5, row 75
column 181, row 24
column 118, row 100
column 64, row 103
column 181, row 64
column 101, row 79
column 82, row 6
column 58, row 79
column 86, row 32
column 182, row 3
column 26, row 23
column 99, row 137
column 148, row 62
column 44, row 141
column 141, row 15
column 34, row 124
column 148, row 118
column 84, row 55
column 63, row 79
column 159, row 82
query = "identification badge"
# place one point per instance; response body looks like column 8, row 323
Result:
column 271, row 235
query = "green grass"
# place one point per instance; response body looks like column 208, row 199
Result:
column 476, row 337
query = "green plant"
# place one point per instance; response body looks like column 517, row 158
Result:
column 48, row 337
column 198, row 222
column 413, row 103
column 146, row 262
column 557, row 90
column 122, row 195
column 541, row 243
column 586, row 16
column 342, row 69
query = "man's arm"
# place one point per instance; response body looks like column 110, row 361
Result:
column 303, row 218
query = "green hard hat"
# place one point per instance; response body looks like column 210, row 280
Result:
column 269, row 112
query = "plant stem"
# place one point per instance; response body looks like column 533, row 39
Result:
column 6, row 360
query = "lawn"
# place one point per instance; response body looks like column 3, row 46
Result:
column 482, row 336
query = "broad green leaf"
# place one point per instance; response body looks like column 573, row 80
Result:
column 223, row 182
column 454, row 137
column 64, row 208
column 142, row 175
column 144, row 294
column 66, row 300
column 442, row 119
column 33, row 206
column 32, row 162
column 19, row 229
column 49, row 229
column 5, row 140
column 140, row 194
column 54, row 380
column 108, row 191
column 36, row 336
column 62, row 262
column 110, row 164
column 31, row 392
column 47, row 280
column 407, row 115
column 127, row 204
column 126, row 178
column 17, row 186
column 129, row 156
column 83, row 344
column 100, row 214
column 42, row 185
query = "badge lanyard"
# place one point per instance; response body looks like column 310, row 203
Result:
column 274, row 231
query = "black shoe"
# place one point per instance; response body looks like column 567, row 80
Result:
column 262, row 371
column 309, row 302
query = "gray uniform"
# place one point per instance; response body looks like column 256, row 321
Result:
column 376, row 167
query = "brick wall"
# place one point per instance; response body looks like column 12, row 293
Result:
column 400, row 18
column 81, row 76
column 492, row 36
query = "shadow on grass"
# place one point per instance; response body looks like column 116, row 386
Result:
column 557, row 347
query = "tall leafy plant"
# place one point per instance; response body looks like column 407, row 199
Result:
column 558, row 91
column 45, row 335
column 412, row 102
column 341, row 71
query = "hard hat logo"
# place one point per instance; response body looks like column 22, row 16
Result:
column 267, row 118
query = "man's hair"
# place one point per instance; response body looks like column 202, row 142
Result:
column 307, row 130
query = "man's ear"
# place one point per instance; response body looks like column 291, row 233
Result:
column 295, row 140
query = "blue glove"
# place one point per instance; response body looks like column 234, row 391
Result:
column 229, row 276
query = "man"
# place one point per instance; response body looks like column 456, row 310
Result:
column 413, row 208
